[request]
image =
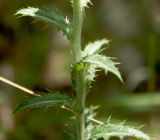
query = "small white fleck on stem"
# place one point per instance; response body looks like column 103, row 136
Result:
column 66, row 108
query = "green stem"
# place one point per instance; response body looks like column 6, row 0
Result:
column 80, row 127
column 80, row 74
column 81, row 95
column 77, row 28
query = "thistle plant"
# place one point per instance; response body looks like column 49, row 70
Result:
column 84, row 66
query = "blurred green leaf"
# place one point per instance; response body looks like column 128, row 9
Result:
column 48, row 16
column 47, row 100
column 140, row 102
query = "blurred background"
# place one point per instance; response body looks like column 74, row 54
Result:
column 38, row 57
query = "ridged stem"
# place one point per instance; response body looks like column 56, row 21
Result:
column 77, row 28
column 80, row 74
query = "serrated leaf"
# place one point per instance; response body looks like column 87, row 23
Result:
column 48, row 16
column 105, row 63
column 84, row 3
column 118, row 130
column 90, row 113
column 94, row 47
column 89, row 124
column 45, row 101
column 90, row 75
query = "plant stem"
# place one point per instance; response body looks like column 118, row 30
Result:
column 77, row 27
column 80, row 127
column 81, row 94
column 80, row 74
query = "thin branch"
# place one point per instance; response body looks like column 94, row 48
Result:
column 18, row 86
column 90, row 118
column 94, row 120
column 66, row 108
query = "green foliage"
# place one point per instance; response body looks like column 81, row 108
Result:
column 76, row 69
column 84, row 3
column 105, row 63
column 90, row 113
column 48, row 16
column 108, row 130
column 94, row 60
column 91, row 70
column 94, row 47
column 83, row 72
column 140, row 101
column 47, row 100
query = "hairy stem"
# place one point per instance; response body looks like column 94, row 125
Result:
column 77, row 27
column 80, row 74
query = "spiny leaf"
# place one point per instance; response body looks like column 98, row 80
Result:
column 48, row 16
column 90, row 75
column 118, row 130
column 90, row 113
column 89, row 51
column 105, row 63
column 94, row 47
column 46, row 100
column 84, row 3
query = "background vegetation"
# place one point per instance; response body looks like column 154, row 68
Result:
column 37, row 57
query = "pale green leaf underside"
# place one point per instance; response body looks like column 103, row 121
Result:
column 94, row 47
column 105, row 63
column 90, row 75
column 118, row 130
column 84, row 3
column 46, row 100
column 48, row 16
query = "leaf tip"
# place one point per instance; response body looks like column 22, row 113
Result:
column 84, row 3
